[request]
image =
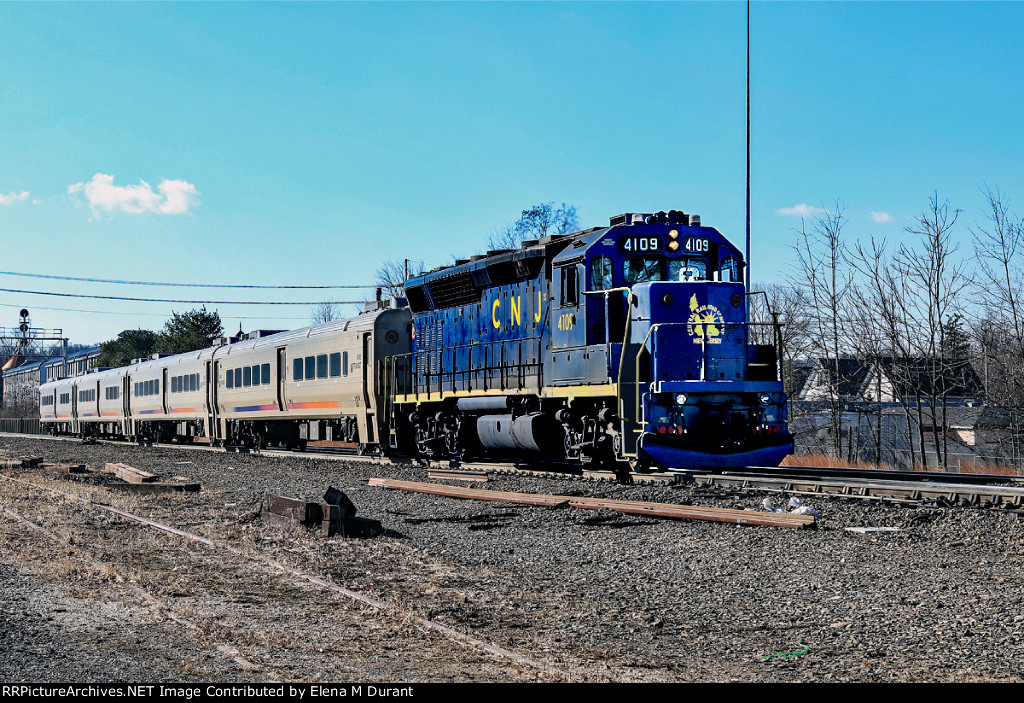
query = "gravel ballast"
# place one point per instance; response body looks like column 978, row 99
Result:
column 590, row 595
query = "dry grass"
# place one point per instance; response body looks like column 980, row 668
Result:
column 979, row 467
column 830, row 462
column 985, row 467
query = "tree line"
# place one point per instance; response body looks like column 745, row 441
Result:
column 184, row 332
column 918, row 308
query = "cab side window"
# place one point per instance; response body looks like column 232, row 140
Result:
column 601, row 273
column 729, row 270
column 570, row 286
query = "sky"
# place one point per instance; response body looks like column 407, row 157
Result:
column 304, row 144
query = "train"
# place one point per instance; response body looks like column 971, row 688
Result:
column 626, row 346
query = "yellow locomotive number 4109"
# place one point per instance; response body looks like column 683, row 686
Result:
column 566, row 321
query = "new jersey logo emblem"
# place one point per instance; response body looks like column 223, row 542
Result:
column 705, row 323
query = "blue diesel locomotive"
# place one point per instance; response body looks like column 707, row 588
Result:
column 625, row 344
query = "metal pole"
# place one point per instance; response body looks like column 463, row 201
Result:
column 747, row 254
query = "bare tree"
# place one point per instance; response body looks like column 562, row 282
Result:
column 786, row 305
column 534, row 223
column 825, row 280
column 933, row 279
column 326, row 312
column 391, row 275
column 999, row 323
column 879, row 329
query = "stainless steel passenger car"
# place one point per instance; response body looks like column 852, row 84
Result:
column 317, row 383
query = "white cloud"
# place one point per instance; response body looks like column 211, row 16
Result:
column 881, row 217
column 173, row 198
column 13, row 197
column 800, row 211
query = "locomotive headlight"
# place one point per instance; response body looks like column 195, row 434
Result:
column 765, row 398
column 673, row 245
column 680, row 399
column 673, row 234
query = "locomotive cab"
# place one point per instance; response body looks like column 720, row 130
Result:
column 665, row 306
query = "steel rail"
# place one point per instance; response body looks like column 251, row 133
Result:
column 963, row 493
column 839, row 481
column 445, row 630
column 223, row 648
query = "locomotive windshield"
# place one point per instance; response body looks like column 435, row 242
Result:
column 687, row 270
column 642, row 269
column 606, row 272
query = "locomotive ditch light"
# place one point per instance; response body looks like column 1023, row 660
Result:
column 680, row 399
column 765, row 398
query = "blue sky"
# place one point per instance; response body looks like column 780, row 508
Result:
column 302, row 144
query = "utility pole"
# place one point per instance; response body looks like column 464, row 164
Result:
column 747, row 254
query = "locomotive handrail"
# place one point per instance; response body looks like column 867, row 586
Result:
column 639, row 406
column 452, row 378
column 641, row 419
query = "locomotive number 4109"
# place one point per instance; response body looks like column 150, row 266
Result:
column 639, row 245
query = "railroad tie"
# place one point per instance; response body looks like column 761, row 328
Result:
column 664, row 510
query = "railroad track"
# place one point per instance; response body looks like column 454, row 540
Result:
column 916, row 487
column 193, row 542
column 932, row 489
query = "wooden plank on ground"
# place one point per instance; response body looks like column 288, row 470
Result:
column 294, row 509
column 129, row 473
column 68, row 468
column 663, row 510
column 154, row 487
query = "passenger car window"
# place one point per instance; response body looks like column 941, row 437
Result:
column 297, row 370
column 321, row 366
column 310, row 367
column 335, row 364
column 265, row 374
